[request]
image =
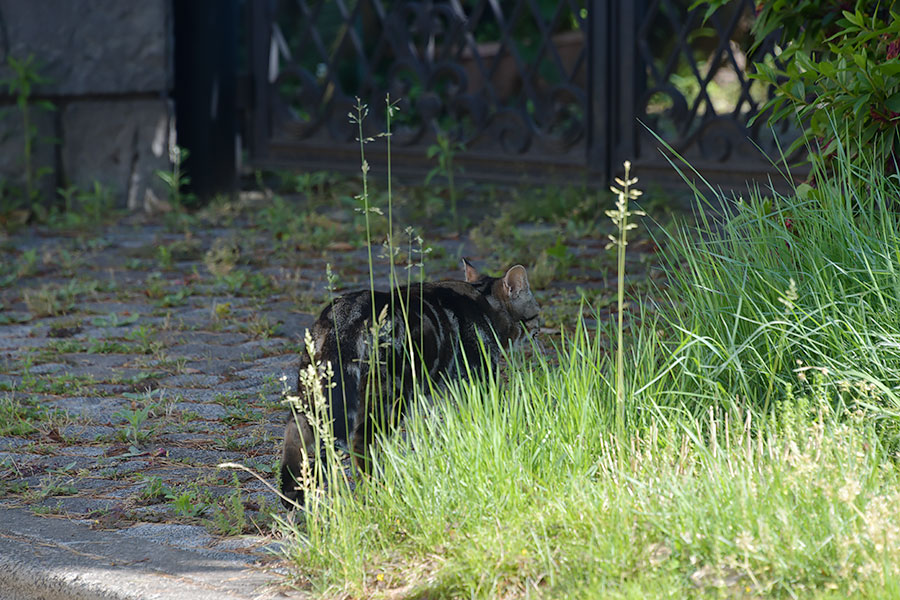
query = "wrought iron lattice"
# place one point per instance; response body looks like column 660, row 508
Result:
column 529, row 87
column 696, row 93
column 506, row 79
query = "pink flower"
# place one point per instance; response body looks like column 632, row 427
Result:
column 893, row 49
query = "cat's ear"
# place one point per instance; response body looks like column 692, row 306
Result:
column 470, row 272
column 515, row 281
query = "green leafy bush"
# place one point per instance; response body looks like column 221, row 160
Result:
column 834, row 63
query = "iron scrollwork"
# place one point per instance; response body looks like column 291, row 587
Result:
column 462, row 70
column 697, row 94
column 512, row 79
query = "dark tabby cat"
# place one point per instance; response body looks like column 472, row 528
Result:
column 449, row 323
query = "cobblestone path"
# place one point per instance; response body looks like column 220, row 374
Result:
column 137, row 357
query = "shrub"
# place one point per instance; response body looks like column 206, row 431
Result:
column 833, row 61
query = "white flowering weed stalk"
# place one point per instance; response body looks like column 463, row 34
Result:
column 415, row 257
column 757, row 450
column 619, row 217
column 327, row 472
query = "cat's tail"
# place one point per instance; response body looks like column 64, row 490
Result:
column 299, row 444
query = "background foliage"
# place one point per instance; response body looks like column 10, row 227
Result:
column 838, row 59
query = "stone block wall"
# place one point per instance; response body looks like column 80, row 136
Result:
column 109, row 71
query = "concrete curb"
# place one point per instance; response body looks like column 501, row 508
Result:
column 58, row 559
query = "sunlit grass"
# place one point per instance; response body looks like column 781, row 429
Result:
column 516, row 487
column 757, row 455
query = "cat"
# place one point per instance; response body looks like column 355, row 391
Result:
column 453, row 326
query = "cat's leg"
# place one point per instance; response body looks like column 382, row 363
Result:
column 373, row 421
column 381, row 410
column 297, row 458
column 361, row 442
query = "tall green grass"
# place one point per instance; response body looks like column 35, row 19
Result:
column 516, row 487
column 789, row 283
column 757, row 457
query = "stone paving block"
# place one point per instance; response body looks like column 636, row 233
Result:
column 202, row 457
column 123, row 492
column 77, row 505
column 48, row 368
column 122, row 468
column 268, row 380
column 88, row 451
column 194, row 318
column 191, row 380
column 87, row 433
column 249, row 441
column 9, row 443
column 15, row 331
column 222, row 368
column 23, row 459
column 100, row 372
column 174, row 473
column 208, row 427
column 204, row 411
column 257, row 349
column 205, row 350
column 240, row 385
column 190, row 395
column 209, row 338
column 279, row 362
column 100, row 366
column 263, row 385
column 102, row 487
column 96, row 409
column 66, row 465
column 21, row 343
column 121, row 309
column 293, row 324
column 191, row 439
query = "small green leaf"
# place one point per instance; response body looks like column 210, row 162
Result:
column 889, row 68
column 860, row 103
column 804, row 190
column 893, row 103
column 856, row 19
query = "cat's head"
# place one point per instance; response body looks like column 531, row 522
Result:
column 510, row 294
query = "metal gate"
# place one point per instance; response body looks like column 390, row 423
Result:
column 531, row 89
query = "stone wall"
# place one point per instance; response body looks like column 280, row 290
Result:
column 108, row 66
